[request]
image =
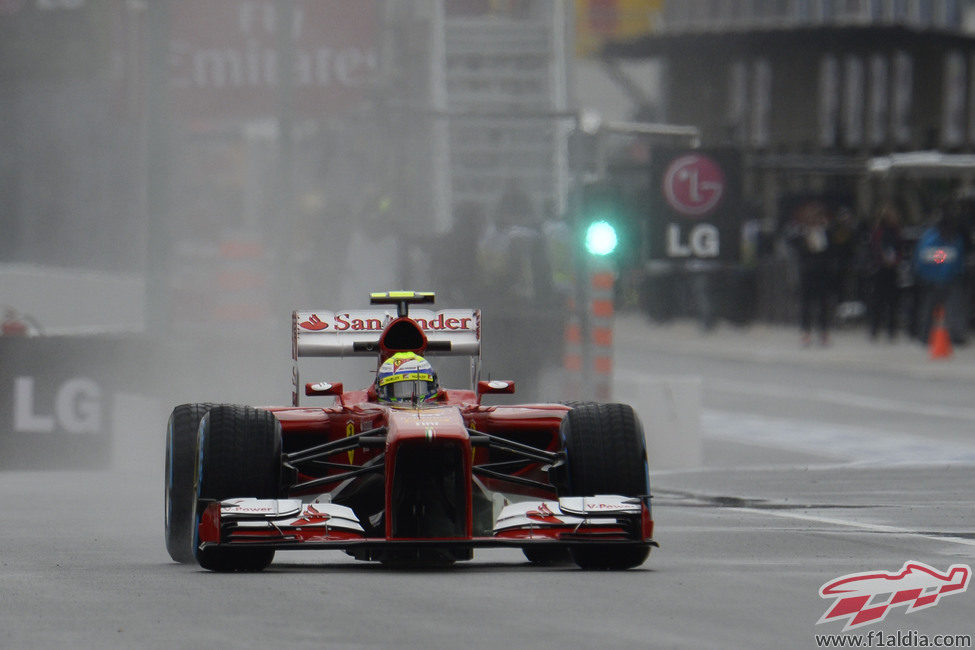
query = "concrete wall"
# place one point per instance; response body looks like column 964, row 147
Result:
column 54, row 301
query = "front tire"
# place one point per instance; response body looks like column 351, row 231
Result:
column 606, row 453
column 180, row 492
column 548, row 556
column 240, row 456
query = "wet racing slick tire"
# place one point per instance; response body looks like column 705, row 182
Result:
column 548, row 556
column 240, row 456
column 606, row 453
column 180, row 493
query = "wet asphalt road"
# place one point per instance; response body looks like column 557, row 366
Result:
column 826, row 476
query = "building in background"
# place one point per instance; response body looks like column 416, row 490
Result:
column 846, row 103
column 813, row 90
column 477, row 97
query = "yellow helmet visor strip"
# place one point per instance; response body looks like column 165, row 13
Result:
column 409, row 376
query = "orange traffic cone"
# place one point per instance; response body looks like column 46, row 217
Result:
column 939, row 343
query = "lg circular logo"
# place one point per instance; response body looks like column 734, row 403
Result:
column 693, row 185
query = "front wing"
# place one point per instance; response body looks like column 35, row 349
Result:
column 291, row 524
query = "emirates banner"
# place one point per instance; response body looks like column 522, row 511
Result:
column 696, row 210
column 224, row 56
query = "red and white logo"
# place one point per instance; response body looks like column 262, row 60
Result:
column 311, row 516
column 865, row 598
column 314, row 323
column 543, row 513
column 693, row 185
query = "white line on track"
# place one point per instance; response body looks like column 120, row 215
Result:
column 876, row 528
column 842, row 398
column 848, row 443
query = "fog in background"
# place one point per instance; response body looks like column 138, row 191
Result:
column 167, row 190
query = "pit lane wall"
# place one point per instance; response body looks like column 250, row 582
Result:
column 38, row 300
column 56, row 401
column 68, row 348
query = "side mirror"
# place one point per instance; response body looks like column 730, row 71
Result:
column 495, row 387
column 323, row 388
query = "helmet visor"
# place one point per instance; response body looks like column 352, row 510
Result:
column 406, row 388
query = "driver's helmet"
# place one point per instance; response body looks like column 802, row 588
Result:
column 406, row 377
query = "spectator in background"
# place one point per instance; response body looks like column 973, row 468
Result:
column 884, row 259
column 512, row 250
column 939, row 266
column 512, row 256
column 811, row 237
column 455, row 252
column 844, row 234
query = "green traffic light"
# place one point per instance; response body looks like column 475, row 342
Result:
column 601, row 238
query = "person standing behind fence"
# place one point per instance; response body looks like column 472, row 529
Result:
column 939, row 265
column 811, row 237
column 884, row 258
column 845, row 232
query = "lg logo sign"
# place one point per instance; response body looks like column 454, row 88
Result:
column 693, row 186
column 77, row 407
column 704, row 240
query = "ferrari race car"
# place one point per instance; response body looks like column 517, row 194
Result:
column 405, row 471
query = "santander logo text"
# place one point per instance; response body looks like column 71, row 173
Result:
column 866, row 598
column 355, row 322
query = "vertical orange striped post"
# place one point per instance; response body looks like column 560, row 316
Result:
column 601, row 320
column 572, row 354
column 588, row 344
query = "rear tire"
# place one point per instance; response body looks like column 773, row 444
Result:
column 606, row 453
column 240, row 456
column 180, row 493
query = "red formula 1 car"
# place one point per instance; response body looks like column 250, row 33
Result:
column 405, row 471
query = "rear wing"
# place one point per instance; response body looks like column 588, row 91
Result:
column 354, row 332
column 357, row 332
